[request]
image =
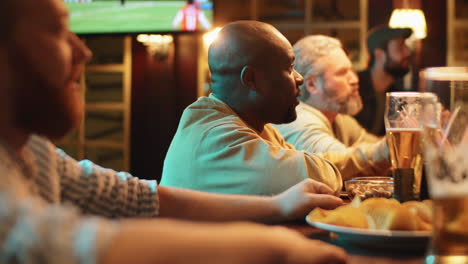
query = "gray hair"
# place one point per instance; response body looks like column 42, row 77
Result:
column 309, row 52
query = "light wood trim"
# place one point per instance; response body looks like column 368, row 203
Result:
column 254, row 9
column 107, row 67
column 127, row 84
column 309, row 10
column 106, row 106
column 80, row 135
column 92, row 143
column 450, row 32
column 106, row 144
column 463, row 23
column 202, row 62
column 363, row 9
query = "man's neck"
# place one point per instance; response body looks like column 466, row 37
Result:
column 246, row 114
column 331, row 116
column 251, row 121
column 381, row 80
column 15, row 139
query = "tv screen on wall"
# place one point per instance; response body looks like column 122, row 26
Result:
column 139, row 16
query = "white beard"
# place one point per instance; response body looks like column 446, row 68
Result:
column 350, row 106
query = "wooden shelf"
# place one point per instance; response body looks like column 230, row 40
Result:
column 106, row 68
column 457, row 36
column 116, row 87
column 103, row 106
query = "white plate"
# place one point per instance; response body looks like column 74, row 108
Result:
column 385, row 239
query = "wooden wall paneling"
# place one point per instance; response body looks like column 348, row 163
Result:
column 162, row 89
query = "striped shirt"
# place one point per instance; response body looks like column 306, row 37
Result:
column 48, row 201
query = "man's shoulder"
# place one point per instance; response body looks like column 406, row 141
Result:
column 308, row 115
column 307, row 110
column 40, row 143
column 347, row 120
column 208, row 111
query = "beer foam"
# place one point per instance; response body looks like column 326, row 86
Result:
column 447, row 171
column 446, row 74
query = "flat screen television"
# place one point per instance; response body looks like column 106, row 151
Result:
column 139, row 16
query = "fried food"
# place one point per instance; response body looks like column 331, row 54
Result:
column 423, row 210
column 389, row 214
column 346, row 215
column 378, row 213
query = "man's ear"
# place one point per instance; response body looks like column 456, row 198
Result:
column 312, row 83
column 379, row 54
column 247, row 77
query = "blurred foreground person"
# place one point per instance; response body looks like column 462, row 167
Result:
column 49, row 203
column 329, row 98
column 225, row 142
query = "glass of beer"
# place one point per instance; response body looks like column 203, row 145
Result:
column 403, row 131
column 445, row 144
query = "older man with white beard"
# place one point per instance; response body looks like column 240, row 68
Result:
column 330, row 96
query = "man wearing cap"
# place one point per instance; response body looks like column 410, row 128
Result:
column 389, row 62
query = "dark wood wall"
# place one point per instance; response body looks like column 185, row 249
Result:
column 161, row 89
column 434, row 46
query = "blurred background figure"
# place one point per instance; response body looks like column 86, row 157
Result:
column 389, row 63
column 190, row 17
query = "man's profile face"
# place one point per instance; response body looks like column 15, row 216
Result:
column 338, row 87
column 397, row 58
column 47, row 61
column 281, row 82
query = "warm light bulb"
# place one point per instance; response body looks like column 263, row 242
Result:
column 409, row 18
column 143, row 38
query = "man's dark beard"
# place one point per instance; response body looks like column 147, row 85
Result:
column 39, row 108
column 394, row 69
column 291, row 115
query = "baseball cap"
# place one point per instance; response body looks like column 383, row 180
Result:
column 382, row 34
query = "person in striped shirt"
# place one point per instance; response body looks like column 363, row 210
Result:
column 54, row 209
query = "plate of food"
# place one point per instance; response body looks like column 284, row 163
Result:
column 383, row 239
column 378, row 223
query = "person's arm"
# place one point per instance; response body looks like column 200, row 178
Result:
column 105, row 192
column 177, row 19
column 294, row 203
column 367, row 156
column 204, row 21
column 34, row 232
column 361, row 160
column 175, row 242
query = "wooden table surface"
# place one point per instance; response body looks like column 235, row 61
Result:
column 360, row 255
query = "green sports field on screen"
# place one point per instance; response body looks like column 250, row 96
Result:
column 130, row 16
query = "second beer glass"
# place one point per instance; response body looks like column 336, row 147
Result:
column 403, row 130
